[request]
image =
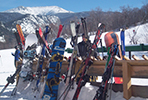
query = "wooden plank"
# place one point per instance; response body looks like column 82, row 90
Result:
column 139, row 68
column 137, row 63
column 137, row 91
column 140, row 91
column 126, row 80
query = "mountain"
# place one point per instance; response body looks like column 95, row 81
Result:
column 31, row 18
column 48, row 10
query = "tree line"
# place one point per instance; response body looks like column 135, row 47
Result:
column 114, row 20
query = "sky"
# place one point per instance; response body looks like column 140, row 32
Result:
column 73, row 5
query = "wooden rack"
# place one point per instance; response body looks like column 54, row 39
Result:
column 123, row 68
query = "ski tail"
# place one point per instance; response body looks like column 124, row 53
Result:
column 83, row 20
column 4, row 88
column 43, row 39
column 122, row 35
column 19, row 29
column 18, row 40
column 60, row 30
column 101, row 26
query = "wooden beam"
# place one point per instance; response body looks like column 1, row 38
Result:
column 139, row 68
column 126, row 80
column 137, row 91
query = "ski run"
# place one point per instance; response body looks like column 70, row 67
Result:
column 37, row 75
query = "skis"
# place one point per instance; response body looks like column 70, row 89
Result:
column 41, row 59
column 10, row 79
column 122, row 34
column 45, row 44
column 74, row 30
column 18, row 40
column 21, row 35
column 75, row 51
column 112, row 46
column 83, row 79
column 43, row 39
column 27, row 73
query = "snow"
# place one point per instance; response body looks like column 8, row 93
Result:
column 2, row 39
column 47, row 10
column 88, row 91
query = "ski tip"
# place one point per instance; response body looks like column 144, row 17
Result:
column 72, row 21
column 122, row 29
column 101, row 25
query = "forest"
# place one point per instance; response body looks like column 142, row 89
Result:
column 114, row 20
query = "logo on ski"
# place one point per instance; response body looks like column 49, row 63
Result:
column 46, row 97
column 58, row 48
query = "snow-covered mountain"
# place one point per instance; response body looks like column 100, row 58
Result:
column 29, row 23
column 47, row 10
column 29, row 18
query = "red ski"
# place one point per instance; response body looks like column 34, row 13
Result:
column 60, row 30
column 19, row 29
column 44, row 41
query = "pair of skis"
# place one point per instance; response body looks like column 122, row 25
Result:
column 43, row 38
column 88, row 61
column 74, row 31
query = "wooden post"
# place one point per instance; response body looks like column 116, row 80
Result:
column 126, row 58
column 144, row 57
column 126, row 80
column 135, row 57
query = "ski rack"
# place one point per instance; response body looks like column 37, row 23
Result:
column 127, row 69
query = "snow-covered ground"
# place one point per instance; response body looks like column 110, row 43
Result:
column 87, row 93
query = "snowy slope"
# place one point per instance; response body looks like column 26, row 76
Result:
column 141, row 36
column 47, row 10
